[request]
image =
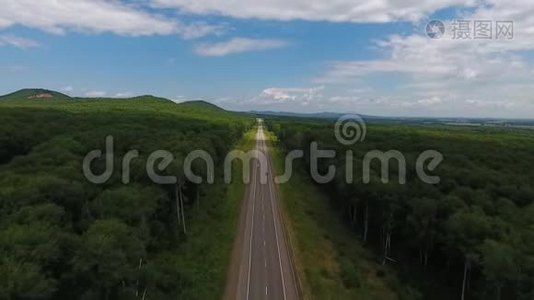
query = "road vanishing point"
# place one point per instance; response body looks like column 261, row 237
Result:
column 261, row 266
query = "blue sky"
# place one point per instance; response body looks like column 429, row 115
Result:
column 295, row 55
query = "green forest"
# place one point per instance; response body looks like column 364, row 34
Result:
column 471, row 236
column 62, row 237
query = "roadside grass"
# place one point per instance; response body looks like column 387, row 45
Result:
column 330, row 261
column 206, row 257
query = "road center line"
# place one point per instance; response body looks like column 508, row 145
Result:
column 251, row 230
column 274, row 222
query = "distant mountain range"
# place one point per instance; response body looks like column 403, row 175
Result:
column 48, row 95
column 412, row 120
column 44, row 94
column 321, row 115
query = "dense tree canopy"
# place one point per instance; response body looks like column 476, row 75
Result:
column 471, row 234
column 62, row 237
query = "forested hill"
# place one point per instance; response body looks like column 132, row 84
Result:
column 47, row 99
column 34, row 94
column 202, row 104
column 63, row 237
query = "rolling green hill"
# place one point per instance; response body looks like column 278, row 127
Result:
column 201, row 104
column 135, row 105
column 26, row 94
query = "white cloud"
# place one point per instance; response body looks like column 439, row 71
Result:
column 123, row 95
column 444, row 58
column 430, row 101
column 67, row 89
column 238, row 45
column 293, row 96
column 96, row 16
column 436, row 76
column 200, row 29
column 16, row 41
column 500, row 104
column 95, row 94
column 379, row 11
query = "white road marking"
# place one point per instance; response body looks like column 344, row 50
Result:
column 275, row 228
column 251, row 233
column 258, row 188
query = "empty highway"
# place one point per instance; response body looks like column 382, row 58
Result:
column 261, row 267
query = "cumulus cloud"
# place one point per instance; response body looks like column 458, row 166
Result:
column 378, row 11
column 294, row 96
column 238, row 45
column 443, row 73
column 430, row 101
column 95, row 16
column 123, row 95
column 445, row 58
column 200, row 29
column 67, row 89
column 16, row 41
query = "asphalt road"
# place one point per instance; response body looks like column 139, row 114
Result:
column 261, row 267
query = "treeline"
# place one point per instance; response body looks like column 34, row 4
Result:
column 471, row 236
column 62, row 237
